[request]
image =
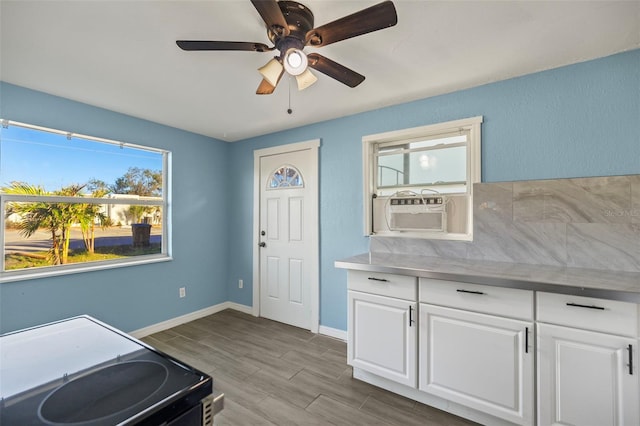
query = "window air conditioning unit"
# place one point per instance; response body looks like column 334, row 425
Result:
column 417, row 213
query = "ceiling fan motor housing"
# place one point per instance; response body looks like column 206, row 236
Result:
column 299, row 20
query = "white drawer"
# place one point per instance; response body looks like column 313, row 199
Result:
column 398, row 286
column 608, row 316
column 507, row 302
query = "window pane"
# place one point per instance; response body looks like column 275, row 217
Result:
column 35, row 234
column 120, row 190
column 53, row 161
column 438, row 141
column 434, row 166
column 285, row 177
column 425, row 142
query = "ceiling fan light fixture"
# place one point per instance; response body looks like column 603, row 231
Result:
column 272, row 71
column 306, row 79
column 295, row 61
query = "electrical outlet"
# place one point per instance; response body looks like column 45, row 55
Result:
column 240, row 284
column 183, row 292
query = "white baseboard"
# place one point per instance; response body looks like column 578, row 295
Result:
column 173, row 322
column 333, row 332
column 238, row 307
column 183, row 319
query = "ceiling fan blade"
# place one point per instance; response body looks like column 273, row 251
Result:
column 265, row 88
column 382, row 15
column 334, row 70
column 222, row 45
column 272, row 16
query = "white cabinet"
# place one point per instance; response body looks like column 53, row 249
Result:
column 477, row 350
column 481, row 361
column 382, row 330
column 587, row 377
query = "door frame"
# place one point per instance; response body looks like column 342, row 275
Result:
column 312, row 146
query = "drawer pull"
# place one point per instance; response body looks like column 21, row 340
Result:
column 577, row 305
column 379, row 279
column 630, row 350
column 469, row 291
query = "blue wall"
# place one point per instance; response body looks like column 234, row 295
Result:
column 136, row 296
column 579, row 120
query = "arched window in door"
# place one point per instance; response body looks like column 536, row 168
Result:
column 285, row 177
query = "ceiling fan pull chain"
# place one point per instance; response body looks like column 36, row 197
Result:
column 289, row 110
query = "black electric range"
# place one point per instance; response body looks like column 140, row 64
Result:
column 81, row 371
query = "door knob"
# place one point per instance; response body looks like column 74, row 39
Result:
column 262, row 244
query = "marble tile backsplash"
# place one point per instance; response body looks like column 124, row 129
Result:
column 582, row 222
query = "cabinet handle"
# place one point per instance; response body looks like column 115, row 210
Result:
column 411, row 321
column 379, row 279
column 469, row 291
column 577, row 305
column 526, row 340
column 630, row 350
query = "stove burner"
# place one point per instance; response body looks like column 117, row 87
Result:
column 103, row 393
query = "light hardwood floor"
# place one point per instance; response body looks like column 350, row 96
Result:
column 272, row 373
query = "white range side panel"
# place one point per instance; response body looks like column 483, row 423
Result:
column 381, row 339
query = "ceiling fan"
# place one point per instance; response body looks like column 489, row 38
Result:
column 290, row 28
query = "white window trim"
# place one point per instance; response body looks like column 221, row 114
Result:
column 74, row 268
column 472, row 124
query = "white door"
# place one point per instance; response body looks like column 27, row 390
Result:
column 480, row 361
column 287, row 237
column 382, row 336
column 586, row 378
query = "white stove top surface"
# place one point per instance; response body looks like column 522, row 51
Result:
column 36, row 356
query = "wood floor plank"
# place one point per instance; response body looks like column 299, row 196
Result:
column 339, row 413
column 351, row 395
column 236, row 415
column 276, row 374
column 206, row 366
column 286, row 390
column 439, row 417
column 282, row 413
column 317, row 363
column 165, row 335
column 238, row 390
column 329, row 343
column 278, row 366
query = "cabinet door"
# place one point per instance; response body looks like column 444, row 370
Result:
column 382, row 336
column 481, row 361
column 584, row 378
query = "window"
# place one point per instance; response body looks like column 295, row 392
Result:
column 73, row 202
column 285, row 177
column 419, row 181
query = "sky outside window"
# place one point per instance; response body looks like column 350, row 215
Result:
column 53, row 161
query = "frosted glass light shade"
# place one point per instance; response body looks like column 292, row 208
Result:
column 272, row 71
column 306, row 79
column 295, row 62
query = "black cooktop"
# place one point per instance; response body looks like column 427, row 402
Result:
column 81, row 371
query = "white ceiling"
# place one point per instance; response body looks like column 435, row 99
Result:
column 121, row 55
